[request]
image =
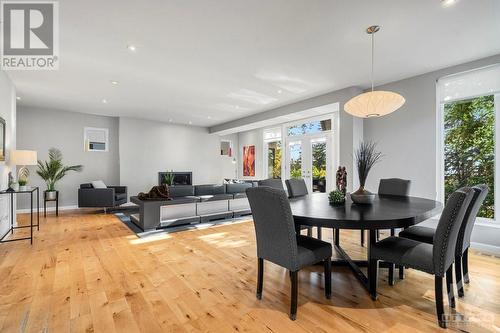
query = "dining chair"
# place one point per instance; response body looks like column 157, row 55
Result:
column 426, row 235
column 278, row 242
column 297, row 188
column 391, row 186
column 278, row 184
column 436, row 259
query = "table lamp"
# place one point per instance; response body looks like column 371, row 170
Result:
column 23, row 158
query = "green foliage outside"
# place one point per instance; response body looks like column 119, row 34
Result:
column 319, row 160
column 470, row 147
column 274, row 159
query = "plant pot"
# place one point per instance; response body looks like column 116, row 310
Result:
column 23, row 188
column 362, row 196
column 50, row 195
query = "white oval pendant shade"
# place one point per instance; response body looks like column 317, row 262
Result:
column 374, row 104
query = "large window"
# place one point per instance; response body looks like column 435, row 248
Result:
column 469, row 147
column 310, row 127
column 272, row 144
column 469, row 131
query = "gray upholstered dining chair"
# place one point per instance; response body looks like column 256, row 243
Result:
column 272, row 182
column 297, row 188
column 426, row 235
column 278, row 243
column 391, row 186
column 436, row 259
column 278, row 184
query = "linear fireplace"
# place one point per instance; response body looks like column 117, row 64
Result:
column 180, row 178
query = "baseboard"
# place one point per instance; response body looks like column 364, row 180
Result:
column 49, row 209
column 486, row 248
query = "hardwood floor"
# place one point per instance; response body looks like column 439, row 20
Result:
column 89, row 273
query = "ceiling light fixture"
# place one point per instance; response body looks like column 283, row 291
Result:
column 104, row 101
column 190, row 122
column 280, row 91
column 374, row 103
column 18, row 98
column 170, row 120
column 114, row 82
column 131, row 48
column 448, row 3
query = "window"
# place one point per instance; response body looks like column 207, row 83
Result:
column 469, row 131
column 95, row 139
column 310, row 127
column 273, row 151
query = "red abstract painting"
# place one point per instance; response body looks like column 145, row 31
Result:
column 249, row 161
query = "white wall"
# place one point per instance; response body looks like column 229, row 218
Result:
column 8, row 113
column 41, row 129
column 148, row 147
column 407, row 137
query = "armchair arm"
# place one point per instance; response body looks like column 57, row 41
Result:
column 119, row 189
column 96, row 197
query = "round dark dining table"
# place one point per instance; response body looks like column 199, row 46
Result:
column 386, row 212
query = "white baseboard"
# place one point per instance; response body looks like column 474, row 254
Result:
column 486, row 248
column 49, row 209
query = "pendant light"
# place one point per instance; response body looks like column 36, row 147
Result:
column 374, row 103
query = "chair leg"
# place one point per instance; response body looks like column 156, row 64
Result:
column 260, row 277
column 438, row 290
column 373, row 278
column 295, row 292
column 319, row 233
column 465, row 265
column 328, row 278
column 401, row 272
column 391, row 274
column 309, row 231
column 458, row 276
column 362, row 237
column 449, row 287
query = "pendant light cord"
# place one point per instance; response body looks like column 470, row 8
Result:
column 373, row 47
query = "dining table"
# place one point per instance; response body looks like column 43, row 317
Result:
column 385, row 212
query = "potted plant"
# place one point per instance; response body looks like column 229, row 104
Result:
column 53, row 171
column 366, row 157
column 169, row 177
column 23, row 179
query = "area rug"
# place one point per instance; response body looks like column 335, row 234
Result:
column 125, row 218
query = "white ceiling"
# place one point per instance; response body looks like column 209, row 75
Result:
column 211, row 61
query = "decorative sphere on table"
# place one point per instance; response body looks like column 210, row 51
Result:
column 336, row 197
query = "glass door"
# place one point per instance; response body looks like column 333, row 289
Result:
column 308, row 158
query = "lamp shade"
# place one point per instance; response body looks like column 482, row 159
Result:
column 374, row 104
column 23, row 157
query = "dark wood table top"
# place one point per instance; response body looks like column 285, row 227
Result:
column 386, row 212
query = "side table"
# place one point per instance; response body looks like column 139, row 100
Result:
column 45, row 200
column 12, row 227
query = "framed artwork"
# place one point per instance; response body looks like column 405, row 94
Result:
column 248, row 161
column 2, row 139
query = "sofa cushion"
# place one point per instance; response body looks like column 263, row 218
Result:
column 200, row 190
column 237, row 188
column 86, row 185
column 98, row 184
column 181, row 191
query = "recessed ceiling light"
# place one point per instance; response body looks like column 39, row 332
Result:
column 104, row 101
column 131, row 47
column 18, row 98
column 447, row 3
column 114, row 82
column 280, row 91
column 237, row 106
column 209, row 117
column 170, row 120
column 190, row 122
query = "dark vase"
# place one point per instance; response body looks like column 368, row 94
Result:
column 362, row 196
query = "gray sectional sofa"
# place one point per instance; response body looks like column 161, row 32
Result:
column 192, row 204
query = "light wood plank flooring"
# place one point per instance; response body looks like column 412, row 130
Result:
column 89, row 273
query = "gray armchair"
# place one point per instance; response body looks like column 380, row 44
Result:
column 112, row 196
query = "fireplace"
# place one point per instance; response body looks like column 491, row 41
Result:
column 180, row 178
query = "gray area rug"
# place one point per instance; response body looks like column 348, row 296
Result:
column 125, row 218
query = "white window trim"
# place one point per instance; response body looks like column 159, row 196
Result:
column 440, row 151
column 85, row 145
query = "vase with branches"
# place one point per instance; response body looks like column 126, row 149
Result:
column 366, row 157
column 54, row 170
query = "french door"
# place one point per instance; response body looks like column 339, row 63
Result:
column 308, row 157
